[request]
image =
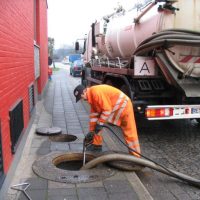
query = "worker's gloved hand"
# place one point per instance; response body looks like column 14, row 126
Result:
column 89, row 137
column 98, row 128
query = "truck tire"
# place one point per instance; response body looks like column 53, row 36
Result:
column 109, row 82
column 124, row 89
column 198, row 120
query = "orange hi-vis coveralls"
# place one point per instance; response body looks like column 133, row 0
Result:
column 108, row 104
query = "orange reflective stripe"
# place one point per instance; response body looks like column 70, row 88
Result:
column 94, row 120
column 106, row 112
column 133, row 143
column 134, row 154
column 135, row 146
column 101, row 123
column 104, row 118
column 121, row 96
column 120, row 111
column 94, row 114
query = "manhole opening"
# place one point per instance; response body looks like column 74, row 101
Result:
column 46, row 167
column 71, row 163
column 63, row 138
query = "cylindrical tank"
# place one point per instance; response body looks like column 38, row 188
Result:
column 123, row 36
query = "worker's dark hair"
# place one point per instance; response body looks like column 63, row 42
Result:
column 78, row 91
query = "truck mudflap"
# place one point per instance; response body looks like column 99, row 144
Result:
column 166, row 112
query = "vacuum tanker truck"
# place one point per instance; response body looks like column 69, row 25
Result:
column 152, row 54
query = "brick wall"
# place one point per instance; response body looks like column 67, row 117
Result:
column 42, row 41
column 17, row 62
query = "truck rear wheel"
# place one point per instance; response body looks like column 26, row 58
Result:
column 109, row 82
column 198, row 120
column 124, row 89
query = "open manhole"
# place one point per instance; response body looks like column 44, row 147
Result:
column 48, row 131
column 63, row 138
column 66, row 168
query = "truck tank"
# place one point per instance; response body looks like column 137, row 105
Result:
column 170, row 25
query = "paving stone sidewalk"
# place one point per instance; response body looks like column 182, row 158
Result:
column 58, row 108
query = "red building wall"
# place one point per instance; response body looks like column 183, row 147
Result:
column 17, row 62
column 42, row 41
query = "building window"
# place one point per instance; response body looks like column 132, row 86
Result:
column 16, row 123
column 2, row 175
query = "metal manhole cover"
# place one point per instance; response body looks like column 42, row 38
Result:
column 63, row 138
column 45, row 167
column 48, row 131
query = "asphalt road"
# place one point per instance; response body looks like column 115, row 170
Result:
column 174, row 144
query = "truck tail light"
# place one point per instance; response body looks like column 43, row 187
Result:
column 158, row 112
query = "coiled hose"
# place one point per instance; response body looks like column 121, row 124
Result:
column 169, row 38
column 144, row 162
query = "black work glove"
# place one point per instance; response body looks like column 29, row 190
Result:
column 98, row 128
column 89, row 137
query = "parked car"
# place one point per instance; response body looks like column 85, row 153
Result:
column 76, row 68
column 73, row 57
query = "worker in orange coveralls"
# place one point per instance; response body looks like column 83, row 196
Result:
column 49, row 73
column 109, row 104
column 49, row 68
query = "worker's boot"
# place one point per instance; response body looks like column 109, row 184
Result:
column 94, row 148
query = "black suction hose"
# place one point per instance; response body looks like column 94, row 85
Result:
column 144, row 162
column 129, row 148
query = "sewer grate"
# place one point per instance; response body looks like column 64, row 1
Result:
column 48, row 131
column 63, row 138
column 46, row 167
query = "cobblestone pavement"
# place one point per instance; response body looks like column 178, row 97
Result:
column 175, row 145
column 58, row 108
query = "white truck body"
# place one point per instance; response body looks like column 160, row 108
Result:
column 153, row 55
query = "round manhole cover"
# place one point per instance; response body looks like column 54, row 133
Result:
column 42, row 130
column 48, row 131
column 55, row 131
column 53, row 167
column 63, row 138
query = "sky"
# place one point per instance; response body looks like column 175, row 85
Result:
column 69, row 20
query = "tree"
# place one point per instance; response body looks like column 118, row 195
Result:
column 50, row 46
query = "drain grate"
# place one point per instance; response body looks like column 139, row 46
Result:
column 63, row 138
column 47, row 168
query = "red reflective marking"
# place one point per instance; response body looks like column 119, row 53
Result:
column 186, row 59
column 197, row 61
column 187, row 111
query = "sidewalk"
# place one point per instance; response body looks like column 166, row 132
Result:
column 59, row 109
